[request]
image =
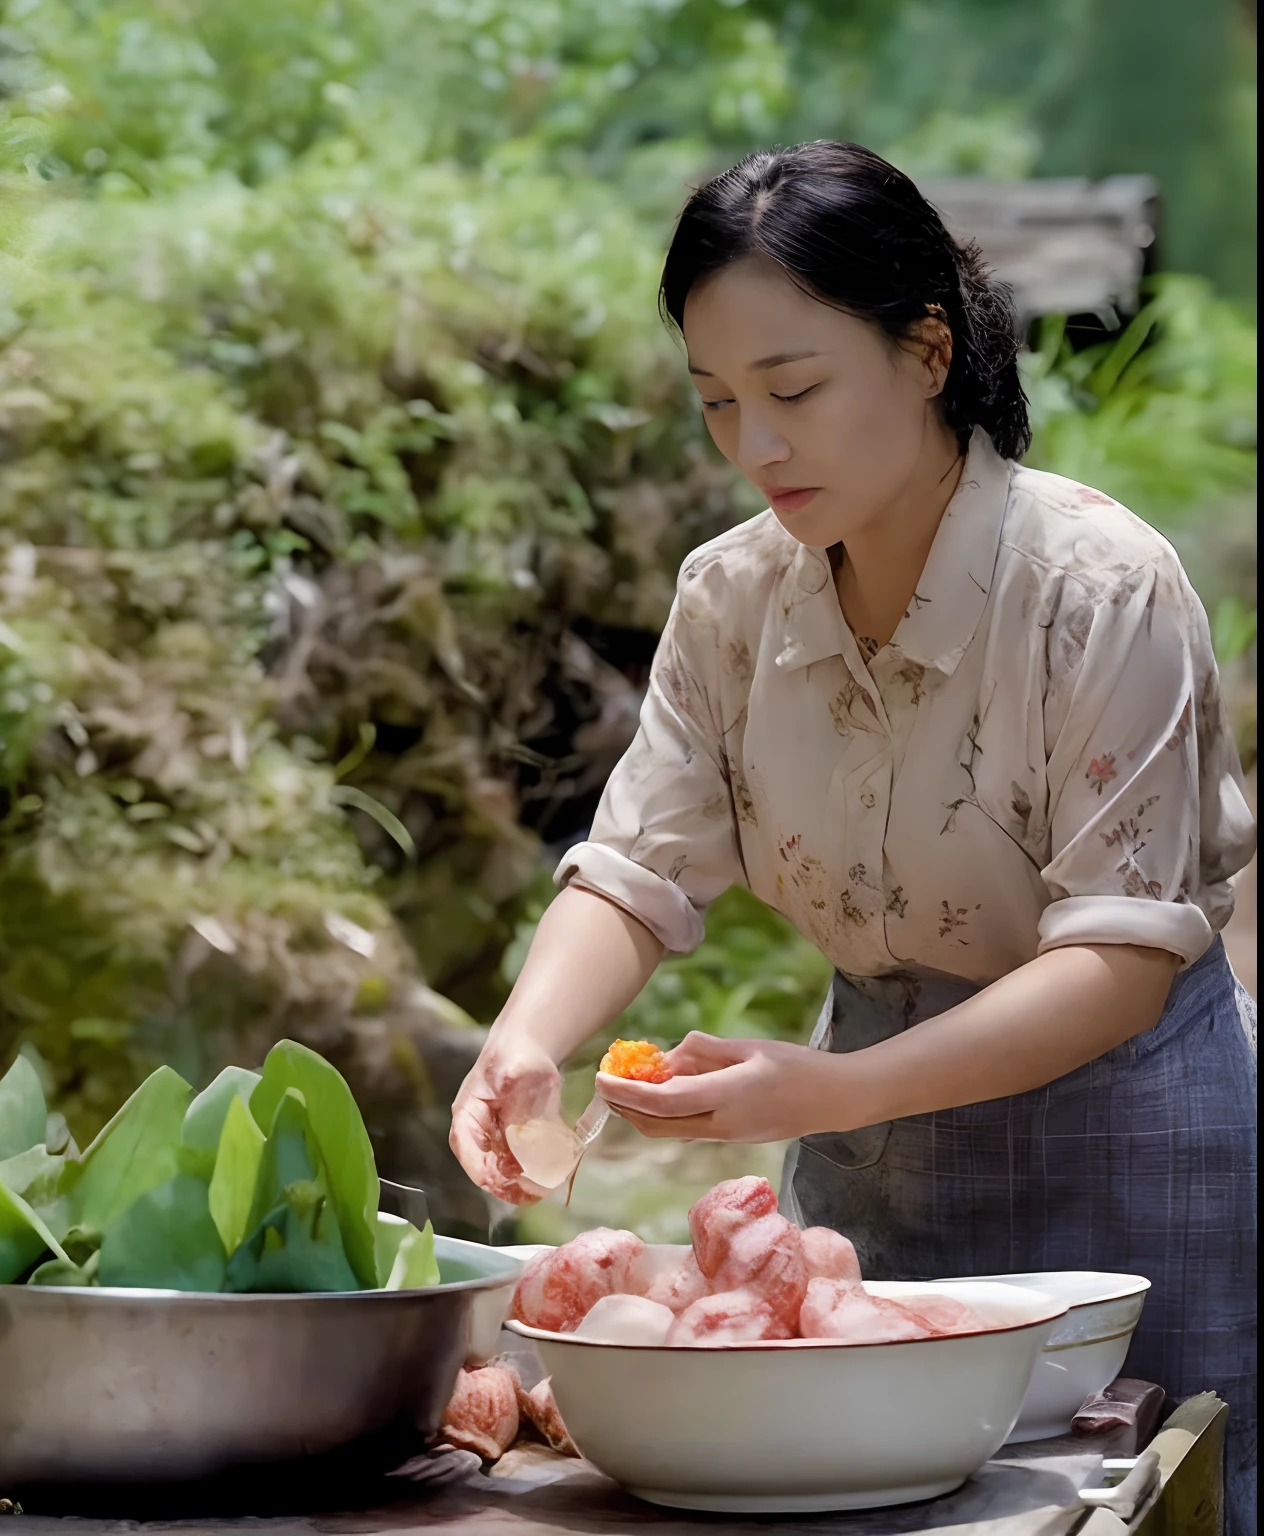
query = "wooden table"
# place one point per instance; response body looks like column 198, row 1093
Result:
column 1188, row 1502
column 1191, row 1456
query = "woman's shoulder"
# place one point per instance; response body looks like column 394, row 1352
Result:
column 1064, row 529
column 732, row 577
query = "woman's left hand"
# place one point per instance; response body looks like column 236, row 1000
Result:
column 727, row 1090
column 1049, row 1017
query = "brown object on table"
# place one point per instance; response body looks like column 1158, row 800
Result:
column 1124, row 1405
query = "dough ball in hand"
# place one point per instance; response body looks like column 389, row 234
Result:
column 636, row 1060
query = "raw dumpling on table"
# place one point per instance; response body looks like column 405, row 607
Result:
column 482, row 1413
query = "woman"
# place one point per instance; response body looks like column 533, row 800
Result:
column 960, row 722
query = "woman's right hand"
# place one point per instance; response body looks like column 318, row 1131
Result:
column 507, row 1085
column 587, row 961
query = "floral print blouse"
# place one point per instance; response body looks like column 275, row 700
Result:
column 1039, row 757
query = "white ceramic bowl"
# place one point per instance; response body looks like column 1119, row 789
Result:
column 1085, row 1351
column 806, row 1424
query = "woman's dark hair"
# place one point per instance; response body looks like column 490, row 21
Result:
column 856, row 233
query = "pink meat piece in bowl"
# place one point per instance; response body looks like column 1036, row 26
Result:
column 731, row 1317
column 680, row 1287
column 558, row 1288
column 944, row 1315
column 830, row 1255
column 765, row 1256
column 665, row 1276
column 835, row 1309
column 721, row 1212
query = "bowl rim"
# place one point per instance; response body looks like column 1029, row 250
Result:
column 1129, row 1285
column 106, row 1295
column 1055, row 1310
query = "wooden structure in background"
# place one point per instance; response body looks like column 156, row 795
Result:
column 1067, row 246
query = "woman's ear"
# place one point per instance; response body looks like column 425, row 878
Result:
column 934, row 342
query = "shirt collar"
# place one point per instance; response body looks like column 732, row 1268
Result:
column 952, row 590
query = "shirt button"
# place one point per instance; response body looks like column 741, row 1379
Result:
column 869, row 799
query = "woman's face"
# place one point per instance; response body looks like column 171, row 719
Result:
column 819, row 410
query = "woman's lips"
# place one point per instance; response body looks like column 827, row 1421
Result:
column 791, row 499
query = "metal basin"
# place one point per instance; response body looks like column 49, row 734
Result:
column 150, row 1386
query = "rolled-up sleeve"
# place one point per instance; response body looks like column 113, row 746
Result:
column 663, row 844
column 1143, row 750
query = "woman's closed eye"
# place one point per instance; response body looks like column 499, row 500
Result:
column 798, row 395
column 717, row 405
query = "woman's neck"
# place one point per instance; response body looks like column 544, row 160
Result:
column 877, row 570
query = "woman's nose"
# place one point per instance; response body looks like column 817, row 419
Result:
column 759, row 445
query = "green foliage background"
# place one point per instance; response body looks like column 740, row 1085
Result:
column 334, row 405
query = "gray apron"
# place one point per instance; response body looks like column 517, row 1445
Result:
column 1143, row 1162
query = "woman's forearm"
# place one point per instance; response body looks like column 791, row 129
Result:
column 1047, row 1018
column 588, row 960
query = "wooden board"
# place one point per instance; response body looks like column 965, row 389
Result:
column 1191, row 1456
column 1066, row 245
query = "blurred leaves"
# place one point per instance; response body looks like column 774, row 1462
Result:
column 1233, row 628
column 305, row 482
column 1163, row 418
column 134, row 100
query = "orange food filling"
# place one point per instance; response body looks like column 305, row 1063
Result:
column 638, row 1060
